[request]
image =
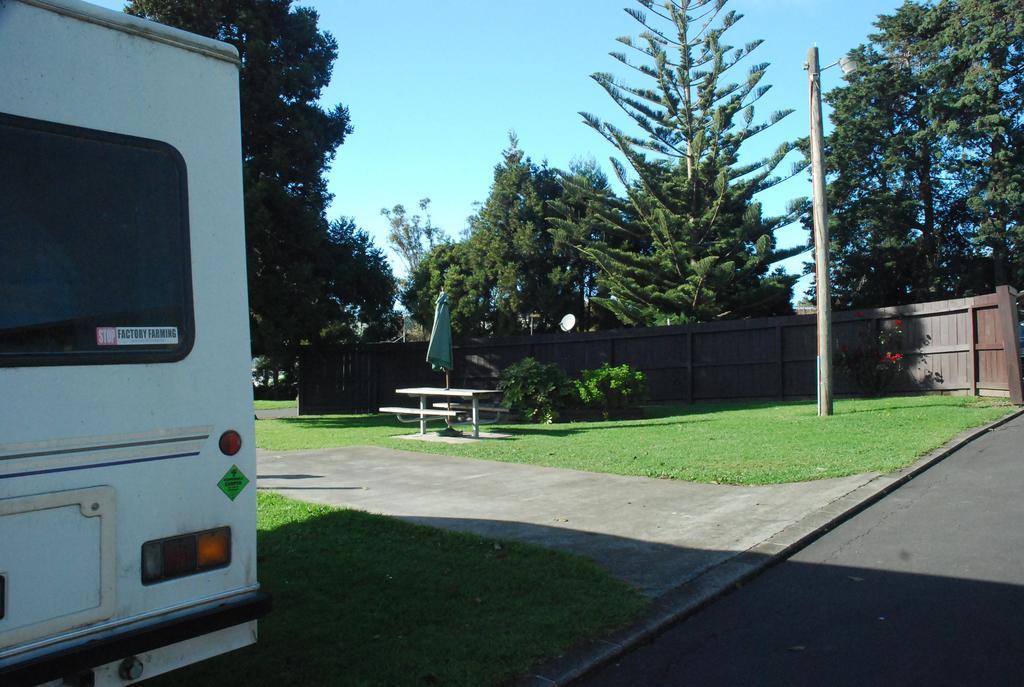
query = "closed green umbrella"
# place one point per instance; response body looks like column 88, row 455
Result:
column 439, row 351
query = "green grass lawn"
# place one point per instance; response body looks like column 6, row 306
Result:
column 754, row 443
column 367, row 600
column 274, row 405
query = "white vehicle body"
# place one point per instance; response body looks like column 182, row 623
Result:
column 124, row 350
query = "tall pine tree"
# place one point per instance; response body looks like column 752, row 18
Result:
column 898, row 236
column 693, row 244
column 980, row 44
column 511, row 240
column 927, row 156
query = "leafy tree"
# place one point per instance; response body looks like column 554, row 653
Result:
column 926, row 156
column 297, row 262
column 508, row 266
column 412, row 237
column 360, row 286
column 453, row 267
column 511, row 242
column 693, row 243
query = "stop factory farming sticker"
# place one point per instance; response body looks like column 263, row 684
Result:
column 136, row 336
column 233, row 482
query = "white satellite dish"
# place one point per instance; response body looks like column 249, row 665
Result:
column 567, row 322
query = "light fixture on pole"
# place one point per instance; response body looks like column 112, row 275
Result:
column 822, row 292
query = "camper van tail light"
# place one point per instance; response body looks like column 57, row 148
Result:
column 179, row 556
column 213, row 548
column 165, row 559
column 230, row 442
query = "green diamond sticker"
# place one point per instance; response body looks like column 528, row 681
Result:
column 233, row 482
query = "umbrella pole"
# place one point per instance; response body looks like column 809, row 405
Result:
column 447, row 385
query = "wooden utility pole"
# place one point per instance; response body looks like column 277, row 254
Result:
column 823, row 295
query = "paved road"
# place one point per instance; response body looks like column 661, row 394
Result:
column 926, row 587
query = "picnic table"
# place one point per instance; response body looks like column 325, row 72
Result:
column 460, row 411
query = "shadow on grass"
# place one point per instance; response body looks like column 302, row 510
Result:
column 708, row 407
column 654, row 412
column 382, row 427
column 573, row 428
column 888, row 408
column 845, row 406
column 367, row 600
column 353, row 422
column 564, row 429
column 656, row 416
column 678, row 412
column 341, row 421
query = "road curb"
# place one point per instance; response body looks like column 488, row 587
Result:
column 710, row 584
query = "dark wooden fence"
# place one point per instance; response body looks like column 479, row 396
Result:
column 962, row 346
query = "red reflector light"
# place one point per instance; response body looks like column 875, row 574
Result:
column 230, row 442
column 179, row 556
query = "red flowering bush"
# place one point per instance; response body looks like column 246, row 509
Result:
column 876, row 361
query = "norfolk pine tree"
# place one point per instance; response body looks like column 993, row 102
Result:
column 587, row 198
column 693, row 244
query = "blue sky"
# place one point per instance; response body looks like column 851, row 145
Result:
column 433, row 88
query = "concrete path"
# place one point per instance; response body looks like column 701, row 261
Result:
column 654, row 534
column 274, row 413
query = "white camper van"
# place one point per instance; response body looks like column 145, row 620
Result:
column 127, row 465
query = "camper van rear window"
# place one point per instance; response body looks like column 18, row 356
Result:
column 94, row 247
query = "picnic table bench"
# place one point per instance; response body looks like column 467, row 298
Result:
column 467, row 406
column 459, row 411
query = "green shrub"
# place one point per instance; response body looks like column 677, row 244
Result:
column 611, row 388
column 535, row 390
